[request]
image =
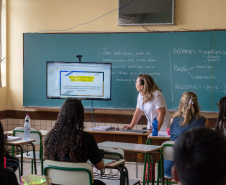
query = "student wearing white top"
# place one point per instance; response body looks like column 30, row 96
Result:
column 150, row 101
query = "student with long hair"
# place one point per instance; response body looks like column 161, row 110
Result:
column 221, row 120
column 150, row 101
column 185, row 118
column 68, row 141
column 7, row 176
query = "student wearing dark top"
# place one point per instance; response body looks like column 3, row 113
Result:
column 185, row 118
column 200, row 158
column 7, row 176
column 68, row 141
column 221, row 120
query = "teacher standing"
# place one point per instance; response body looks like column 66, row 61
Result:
column 150, row 101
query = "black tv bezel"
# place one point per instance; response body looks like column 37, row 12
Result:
column 140, row 24
column 102, row 99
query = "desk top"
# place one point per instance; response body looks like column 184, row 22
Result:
column 161, row 135
column 118, row 132
column 131, row 147
column 20, row 142
column 44, row 132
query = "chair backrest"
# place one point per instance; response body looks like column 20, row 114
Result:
column 167, row 150
column 69, row 173
column 113, row 153
column 34, row 134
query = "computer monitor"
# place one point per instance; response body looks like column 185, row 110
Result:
column 81, row 80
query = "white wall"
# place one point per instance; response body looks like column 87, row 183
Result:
column 36, row 15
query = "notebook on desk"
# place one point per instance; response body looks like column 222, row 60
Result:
column 134, row 131
column 13, row 138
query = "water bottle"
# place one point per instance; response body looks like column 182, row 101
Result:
column 155, row 127
column 27, row 128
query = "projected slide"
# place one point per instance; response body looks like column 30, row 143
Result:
column 81, row 80
column 81, row 83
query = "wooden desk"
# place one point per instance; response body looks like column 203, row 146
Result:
column 127, row 137
column 162, row 136
column 135, row 148
column 130, row 147
column 19, row 143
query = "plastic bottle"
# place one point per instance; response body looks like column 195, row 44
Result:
column 27, row 128
column 155, row 127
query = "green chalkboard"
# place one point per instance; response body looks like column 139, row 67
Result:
column 178, row 62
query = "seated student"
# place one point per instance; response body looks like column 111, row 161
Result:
column 221, row 120
column 200, row 158
column 7, row 176
column 68, row 141
column 186, row 117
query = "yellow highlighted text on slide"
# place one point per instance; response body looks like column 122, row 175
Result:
column 82, row 78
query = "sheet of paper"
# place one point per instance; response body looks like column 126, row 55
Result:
column 160, row 134
column 13, row 138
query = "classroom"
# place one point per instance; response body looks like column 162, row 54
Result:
column 23, row 17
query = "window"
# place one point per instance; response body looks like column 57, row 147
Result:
column 3, row 43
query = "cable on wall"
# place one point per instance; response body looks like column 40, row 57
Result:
column 88, row 21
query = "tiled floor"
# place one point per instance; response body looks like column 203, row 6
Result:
column 131, row 166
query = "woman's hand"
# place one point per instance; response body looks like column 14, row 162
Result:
column 127, row 127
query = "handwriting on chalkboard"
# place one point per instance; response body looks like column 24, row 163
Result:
column 129, row 63
column 177, row 61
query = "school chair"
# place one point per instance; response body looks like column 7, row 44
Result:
column 116, row 154
column 34, row 134
column 166, row 153
column 69, row 173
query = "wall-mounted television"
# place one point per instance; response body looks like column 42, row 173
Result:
column 81, row 80
column 146, row 12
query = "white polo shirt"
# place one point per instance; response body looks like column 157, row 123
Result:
column 150, row 109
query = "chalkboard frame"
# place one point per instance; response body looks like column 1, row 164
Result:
column 125, row 33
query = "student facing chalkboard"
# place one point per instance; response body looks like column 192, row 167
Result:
column 150, row 101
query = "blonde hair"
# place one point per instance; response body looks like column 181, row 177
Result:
column 149, row 87
column 188, row 108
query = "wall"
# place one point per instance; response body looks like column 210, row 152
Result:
column 36, row 15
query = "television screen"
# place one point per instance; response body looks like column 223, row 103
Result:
column 146, row 12
column 85, row 81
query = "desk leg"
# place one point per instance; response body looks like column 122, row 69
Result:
column 153, row 170
column 34, row 158
column 124, row 177
column 21, row 160
column 162, row 170
column 147, row 165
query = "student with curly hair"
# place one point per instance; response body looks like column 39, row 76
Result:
column 221, row 120
column 68, row 141
column 150, row 101
column 7, row 176
column 185, row 118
